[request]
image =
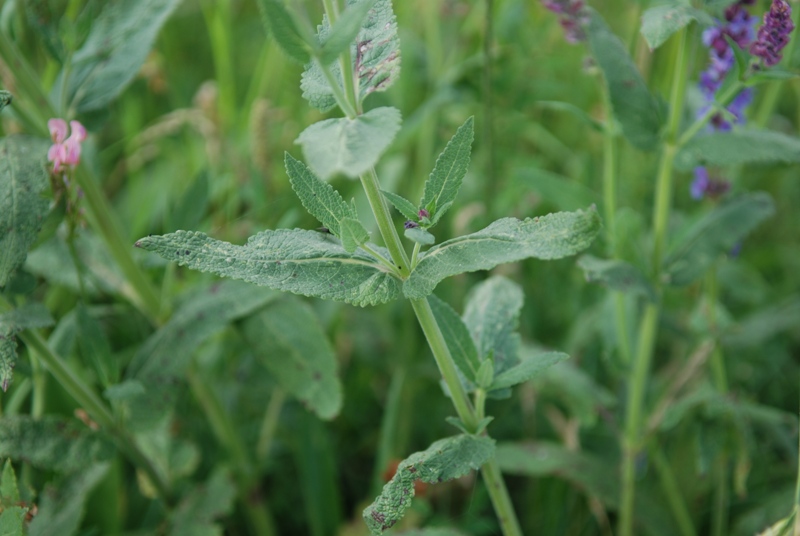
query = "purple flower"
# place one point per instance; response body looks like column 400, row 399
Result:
column 573, row 17
column 410, row 224
column 773, row 35
column 65, row 151
column 423, row 213
column 704, row 185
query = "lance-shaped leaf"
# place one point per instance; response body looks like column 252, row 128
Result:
column 298, row 261
column 634, row 107
column 23, row 180
column 738, row 147
column 324, row 203
column 528, row 367
column 120, row 40
column 492, row 316
column 29, row 316
column 715, row 234
column 660, row 22
column 507, row 240
column 403, row 205
column 343, row 33
column 617, row 275
column 458, row 339
column 5, row 99
column 375, row 53
column 442, row 186
column 349, row 146
column 446, row 459
column 289, row 340
column 12, row 517
column 280, row 23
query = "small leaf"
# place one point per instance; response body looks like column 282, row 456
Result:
column 527, row 369
column 738, row 147
column 302, row 262
column 289, row 340
column 507, row 240
column 63, row 507
column 29, row 316
column 445, row 180
column 52, row 443
column 715, row 234
column 9, row 492
column 420, row 236
column 343, row 33
column 196, row 513
column 8, row 357
column 118, row 44
column 634, row 107
column 349, row 146
column 444, row 460
column 660, row 22
column 5, row 99
column 617, row 275
column 403, row 205
column 284, row 31
column 353, row 234
column 485, row 375
column 319, row 198
column 23, row 180
column 458, row 339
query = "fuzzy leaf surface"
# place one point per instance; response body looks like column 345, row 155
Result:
column 290, row 341
column 11, row 520
column 349, row 146
column 283, row 29
column 52, row 443
column 9, row 491
column 61, row 509
column 506, row 240
column 660, row 22
column 5, row 99
column 715, row 234
column 353, row 234
column 527, row 369
column 738, row 147
column 118, row 44
column 29, row 316
column 458, row 339
column 375, row 52
column 298, row 261
column 196, row 513
column 445, row 180
column 446, row 459
column 403, row 205
column 343, row 33
column 420, row 236
column 634, row 107
column 617, row 275
column 23, row 180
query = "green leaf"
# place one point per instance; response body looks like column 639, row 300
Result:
column 492, row 316
column 714, row 234
column 420, row 236
column 61, row 508
column 438, row 531
column 349, row 146
column 660, row 22
column 120, row 40
column 196, row 513
column 96, row 348
column 12, row 520
column 458, row 339
column 564, row 193
column 403, row 205
column 762, row 77
column 507, row 240
column 302, row 262
column 289, row 340
column 23, row 180
column 617, row 275
column 738, row 147
column 485, row 375
column 575, row 390
column 527, row 369
column 760, row 326
column 446, row 459
column 319, row 198
column 9, row 492
column 634, row 107
column 353, row 234
column 5, row 99
column 343, row 33
column 445, row 180
column 284, row 31
column 52, row 443
column 29, row 316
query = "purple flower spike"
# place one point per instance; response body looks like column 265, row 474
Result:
column 410, row 224
column 573, row 17
column 773, row 35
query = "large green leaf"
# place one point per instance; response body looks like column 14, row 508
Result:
column 325, row 204
column 29, row 316
column 349, row 146
column 284, row 30
column 196, row 513
column 298, row 261
column 289, row 340
column 52, row 443
column 714, row 234
column 660, row 22
column 738, row 147
column 119, row 42
column 375, row 53
column 617, row 275
column 442, row 186
column 458, row 339
column 446, row 459
column 507, row 240
column 635, row 108
column 23, row 180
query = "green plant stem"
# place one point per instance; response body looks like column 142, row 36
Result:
column 380, row 209
column 39, row 387
column 228, row 437
column 344, row 104
column 723, row 100
column 488, row 102
column 415, row 254
column 500, row 498
column 388, row 434
column 672, row 491
column 640, row 370
column 270, row 423
column 218, row 21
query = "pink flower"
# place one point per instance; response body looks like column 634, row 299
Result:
column 65, row 151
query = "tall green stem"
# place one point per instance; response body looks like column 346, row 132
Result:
column 640, row 370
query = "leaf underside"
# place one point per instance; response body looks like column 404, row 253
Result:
column 738, row 147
